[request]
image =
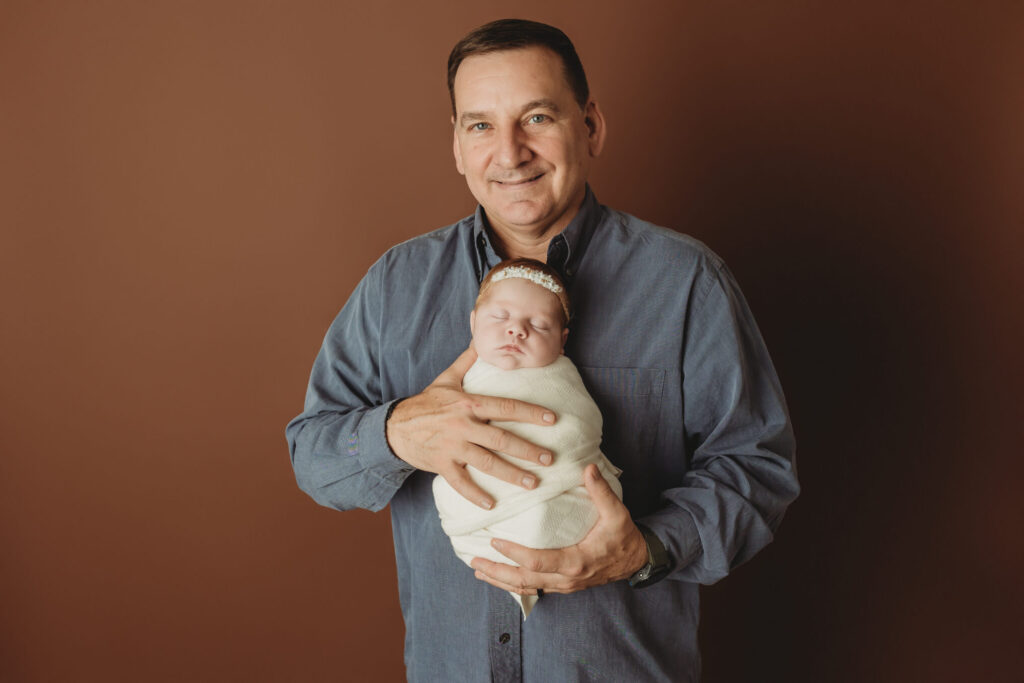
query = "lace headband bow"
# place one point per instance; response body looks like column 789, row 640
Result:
column 524, row 273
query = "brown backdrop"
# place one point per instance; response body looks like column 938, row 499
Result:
column 190, row 190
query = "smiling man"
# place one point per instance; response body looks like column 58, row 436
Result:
column 524, row 143
column 693, row 411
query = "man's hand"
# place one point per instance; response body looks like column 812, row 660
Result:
column 442, row 429
column 613, row 549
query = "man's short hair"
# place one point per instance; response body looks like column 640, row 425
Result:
column 512, row 34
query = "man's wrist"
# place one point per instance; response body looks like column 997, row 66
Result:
column 658, row 564
column 643, row 555
column 387, row 418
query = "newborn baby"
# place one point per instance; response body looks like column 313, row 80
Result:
column 519, row 329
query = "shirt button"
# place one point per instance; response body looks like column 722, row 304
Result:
column 504, row 638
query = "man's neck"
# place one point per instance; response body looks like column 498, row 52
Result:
column 509, row 245
column 512, row 243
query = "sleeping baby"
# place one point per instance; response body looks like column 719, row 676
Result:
column 519, row 326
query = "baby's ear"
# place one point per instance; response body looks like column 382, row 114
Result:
column 565, row 336
column 472, row 323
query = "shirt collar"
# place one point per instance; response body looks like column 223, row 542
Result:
column 483, row 250
column 565, row 251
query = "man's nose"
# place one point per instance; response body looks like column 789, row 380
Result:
column 512, row 148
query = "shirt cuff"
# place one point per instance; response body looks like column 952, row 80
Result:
column 677, row 531
column 374, row 449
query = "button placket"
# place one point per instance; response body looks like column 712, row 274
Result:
column 505, row 626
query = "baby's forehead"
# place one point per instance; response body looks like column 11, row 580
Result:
column 522, row 293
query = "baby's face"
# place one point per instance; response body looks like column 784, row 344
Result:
column 518, row 324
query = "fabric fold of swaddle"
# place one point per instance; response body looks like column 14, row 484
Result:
column 559, row 512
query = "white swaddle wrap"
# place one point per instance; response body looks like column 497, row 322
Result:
column 559, row 512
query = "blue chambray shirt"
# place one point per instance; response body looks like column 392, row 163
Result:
column 693, row 414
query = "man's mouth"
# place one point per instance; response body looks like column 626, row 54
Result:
column 521, row 181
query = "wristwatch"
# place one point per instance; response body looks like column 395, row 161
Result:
column 658, row 562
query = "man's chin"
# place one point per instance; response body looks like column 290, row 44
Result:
column 520, row 215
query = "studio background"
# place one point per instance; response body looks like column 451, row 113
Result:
column 189, row 191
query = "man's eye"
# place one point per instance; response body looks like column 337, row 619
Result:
column 538, row 118
column 479, row 126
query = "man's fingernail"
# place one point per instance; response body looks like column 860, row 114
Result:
column 545, row 458
column 496, row 543
column 549, row 417
column 529, row 482
column 486, row 504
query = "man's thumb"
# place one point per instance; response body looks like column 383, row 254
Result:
column 600, row 492
column 457, row 370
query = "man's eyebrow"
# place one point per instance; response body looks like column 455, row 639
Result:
column 468, row 116
column 543, row 103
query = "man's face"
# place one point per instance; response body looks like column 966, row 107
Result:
column 522, row 140
column 518, row 324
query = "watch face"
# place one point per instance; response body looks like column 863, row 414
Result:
column 644, row 573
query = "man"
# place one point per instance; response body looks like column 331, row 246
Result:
column 692, row 408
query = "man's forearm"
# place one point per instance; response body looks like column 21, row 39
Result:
column 741, row 472
column 726, row 511
column 342, row 459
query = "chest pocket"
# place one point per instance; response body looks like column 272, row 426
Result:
column 630, row 403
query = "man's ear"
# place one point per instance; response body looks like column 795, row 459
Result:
column 596, row 127
column 456, row 149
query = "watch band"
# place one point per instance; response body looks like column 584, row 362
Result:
column 658, row 561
